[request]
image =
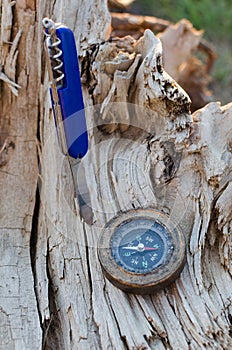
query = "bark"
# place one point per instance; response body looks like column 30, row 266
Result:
column 53, row 293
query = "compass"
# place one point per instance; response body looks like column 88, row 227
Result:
column 141, row 251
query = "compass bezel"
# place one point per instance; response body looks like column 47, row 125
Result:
column 148, row 282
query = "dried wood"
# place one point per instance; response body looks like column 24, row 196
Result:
column 53, row 293
column 19, row 318
column 127, row 23
column 188, row 70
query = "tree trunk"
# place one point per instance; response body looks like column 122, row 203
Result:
column 53, row 294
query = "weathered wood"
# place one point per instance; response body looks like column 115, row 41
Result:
column 20, row 50
column 125, row 23
column 180, row 45
column 167, row 159
column 130, row 24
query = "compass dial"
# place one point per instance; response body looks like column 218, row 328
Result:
column 141, row 245
column 141, row 251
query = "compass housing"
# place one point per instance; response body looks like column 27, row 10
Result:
column 141, row 251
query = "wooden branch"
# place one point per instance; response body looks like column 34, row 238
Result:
column 122, row 23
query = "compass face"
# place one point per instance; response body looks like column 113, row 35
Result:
column 141, row 251
column 141, row 245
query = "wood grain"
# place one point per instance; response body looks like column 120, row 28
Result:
column 53, row 292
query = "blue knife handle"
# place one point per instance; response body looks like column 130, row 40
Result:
column 70, row 96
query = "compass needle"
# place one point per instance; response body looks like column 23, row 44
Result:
column 130, row 248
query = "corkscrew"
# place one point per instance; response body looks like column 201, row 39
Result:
column 66, row 91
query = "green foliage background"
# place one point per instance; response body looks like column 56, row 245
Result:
column 215, row 17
